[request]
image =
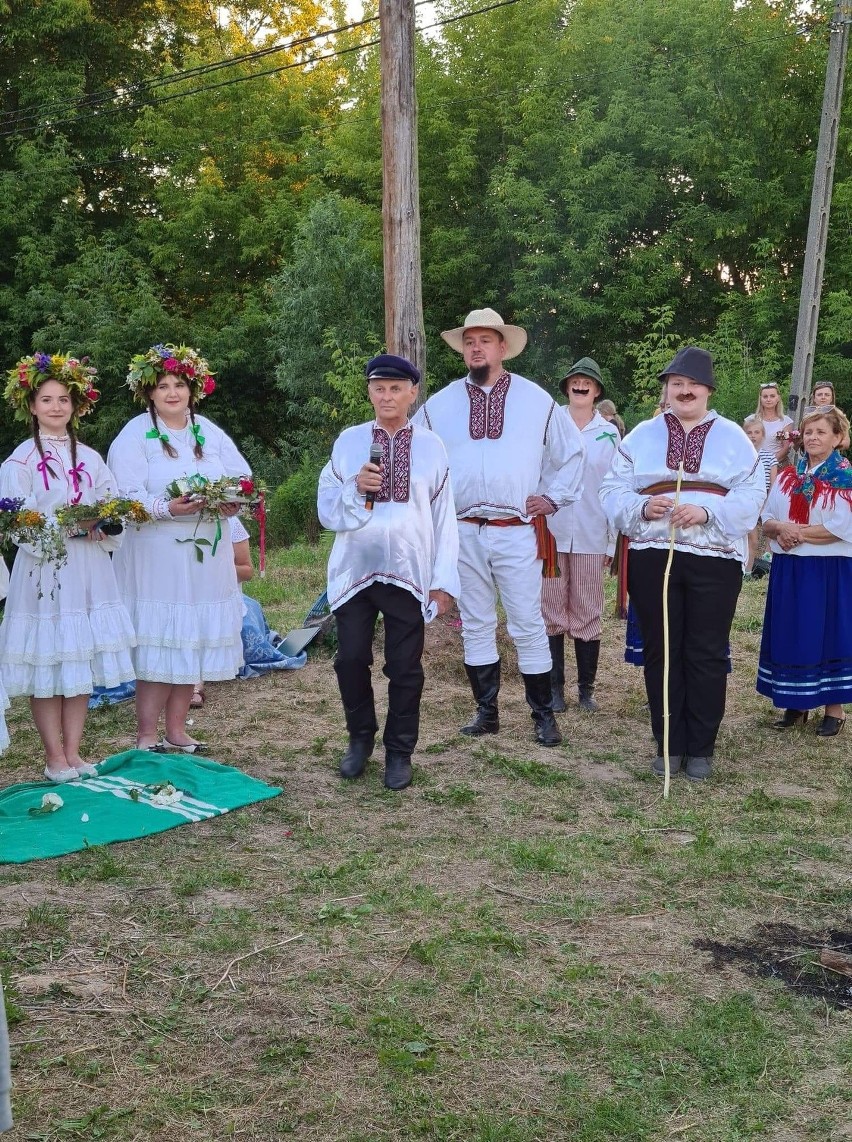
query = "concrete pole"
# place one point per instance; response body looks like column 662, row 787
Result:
column 404, row 332
column 812, row 275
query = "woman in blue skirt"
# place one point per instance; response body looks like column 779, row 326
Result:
column 806, row 649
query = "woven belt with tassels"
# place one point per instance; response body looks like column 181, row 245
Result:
column 545, row 543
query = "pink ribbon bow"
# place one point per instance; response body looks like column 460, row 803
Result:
column 75, row 474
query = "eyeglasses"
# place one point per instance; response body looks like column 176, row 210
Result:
column 769, row 385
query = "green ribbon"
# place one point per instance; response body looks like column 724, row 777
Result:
column 218, row 536
column 155, row 434
column 610, row 436
column 196, row 432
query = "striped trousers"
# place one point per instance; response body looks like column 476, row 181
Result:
column 573, row 603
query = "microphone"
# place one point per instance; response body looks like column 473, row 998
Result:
column 375, row 458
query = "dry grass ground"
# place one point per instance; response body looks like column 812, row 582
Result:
column 528, row 944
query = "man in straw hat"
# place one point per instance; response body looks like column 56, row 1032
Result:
column 514, row 460
column 722, row 489
column 386, row 494
column 572, row 604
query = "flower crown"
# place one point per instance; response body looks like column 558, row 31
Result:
column 146, row 369
column 30, row 373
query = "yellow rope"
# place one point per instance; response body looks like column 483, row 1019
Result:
column 666, row 645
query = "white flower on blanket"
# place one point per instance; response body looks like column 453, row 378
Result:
column 50, row 802
column 162, row 794
column 167, row 795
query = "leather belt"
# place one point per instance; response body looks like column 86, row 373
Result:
column 664, row 486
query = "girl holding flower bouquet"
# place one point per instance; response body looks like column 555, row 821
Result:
column 177, row 573
column 65, row 629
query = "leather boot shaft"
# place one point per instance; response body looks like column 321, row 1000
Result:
column 557, row 672
column 485, row 683
column 587, row 654
column 537, row 688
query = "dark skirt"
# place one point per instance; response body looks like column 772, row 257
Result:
column 806, row 648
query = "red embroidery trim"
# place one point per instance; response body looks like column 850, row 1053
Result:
column 396, row 465
column 497, row 407
column 688, row 447
column 488, row 411
column 402, row 465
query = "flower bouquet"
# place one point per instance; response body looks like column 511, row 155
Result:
column 109, row 516
column 213, row 495
column 25, row 525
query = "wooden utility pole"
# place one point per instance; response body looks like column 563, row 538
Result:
column 401, row 190
column 806, row 328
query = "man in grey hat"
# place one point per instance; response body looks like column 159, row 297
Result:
column 514, row 460
column 690, row 477
column 572, row 603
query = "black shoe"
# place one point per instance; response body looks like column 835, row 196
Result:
column 485, row 683
column 397, row 771
column 557, row 673
column 354, row 761
column 537, row 687
column 587, row 654
column 830, row 726
column 790, row 719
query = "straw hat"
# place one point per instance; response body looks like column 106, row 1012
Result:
column 514, row 337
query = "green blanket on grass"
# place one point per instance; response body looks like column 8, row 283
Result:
column 124, row 802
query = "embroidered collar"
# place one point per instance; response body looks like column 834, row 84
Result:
column 396, row 464
column 684, row 446
column 488, row 410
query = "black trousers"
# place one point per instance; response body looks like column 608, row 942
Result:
column 703, row 593
column 404, row 634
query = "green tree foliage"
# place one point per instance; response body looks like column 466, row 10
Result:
column 619, row 177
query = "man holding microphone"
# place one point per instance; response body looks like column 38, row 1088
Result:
column 386, row 494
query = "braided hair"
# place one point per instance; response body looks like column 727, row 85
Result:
column 71, row 433
column 166, row 444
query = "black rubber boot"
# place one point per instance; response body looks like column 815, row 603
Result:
column 537, row 687
column 397, row 770
column 363, row 727
column 354, row 761
column 485, row 683
column 557, row 672
column 587, row 670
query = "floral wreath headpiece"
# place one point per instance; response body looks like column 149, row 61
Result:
column 146, row 369
column 30, row 373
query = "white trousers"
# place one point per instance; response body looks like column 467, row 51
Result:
column 503, row 559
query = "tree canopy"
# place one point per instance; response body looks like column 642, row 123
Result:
column 617, row 177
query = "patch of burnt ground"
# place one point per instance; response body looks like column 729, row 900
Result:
column 792, row 955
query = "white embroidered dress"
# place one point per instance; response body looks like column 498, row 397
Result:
column 715, row 451
column 187, row 613
column 78, row 634
column 410, row 538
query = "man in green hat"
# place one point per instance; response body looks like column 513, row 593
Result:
column 572, row 604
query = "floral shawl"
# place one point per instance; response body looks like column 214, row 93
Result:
column 831, row 479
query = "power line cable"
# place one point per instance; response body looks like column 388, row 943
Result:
column 13, row 119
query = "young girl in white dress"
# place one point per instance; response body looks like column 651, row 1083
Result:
column 65, row 629
column 187, row 611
